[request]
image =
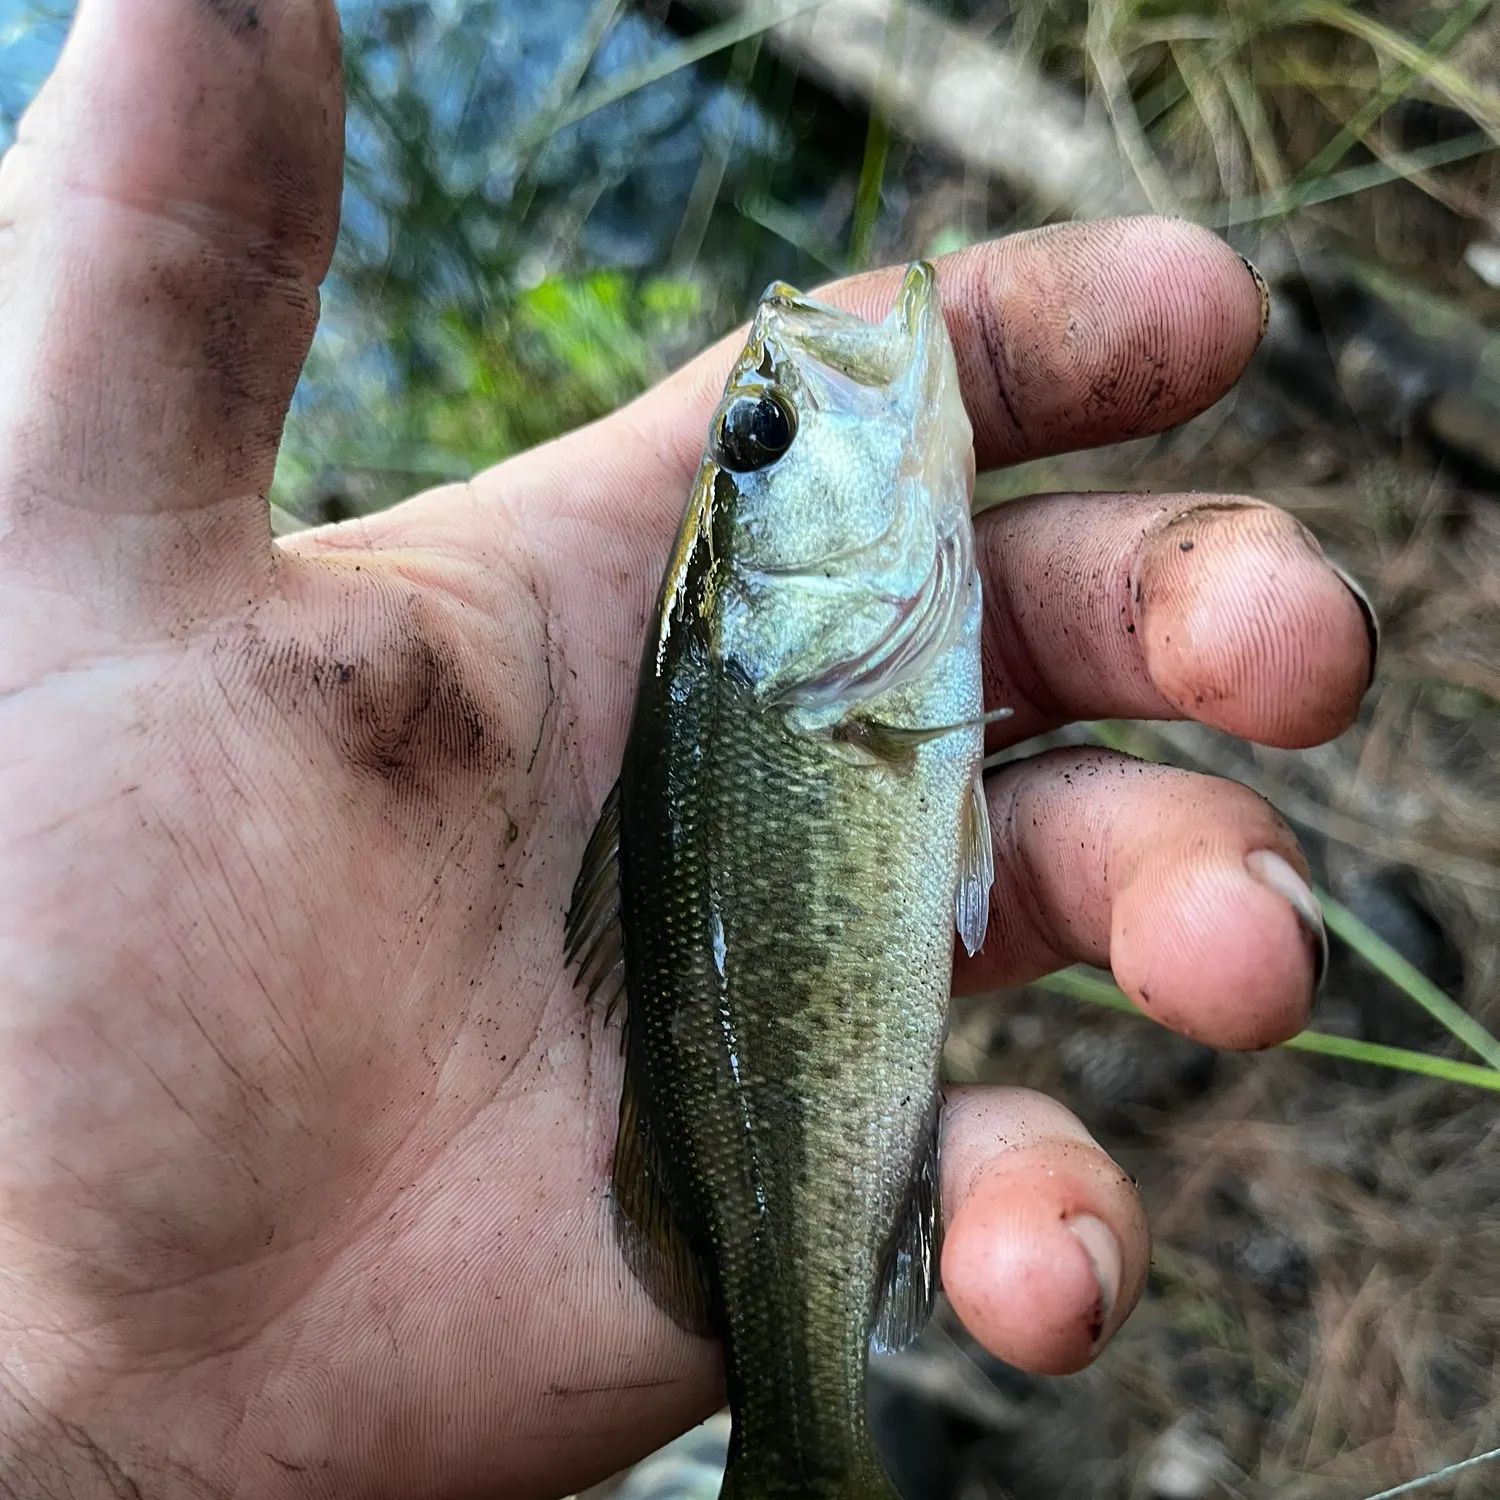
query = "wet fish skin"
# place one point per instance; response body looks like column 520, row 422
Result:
column 789, row 866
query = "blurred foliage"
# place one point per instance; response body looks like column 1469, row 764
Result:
column 465, row 318
column 1246, row 113
column 474, row 388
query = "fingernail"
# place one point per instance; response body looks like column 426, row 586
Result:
column 1103, row 1251
column 1265, row 295
column 1276, row 874
column 1372, row 620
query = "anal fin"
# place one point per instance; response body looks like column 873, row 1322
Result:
column 912, row 1275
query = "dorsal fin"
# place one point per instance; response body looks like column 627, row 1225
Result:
column 592, row 930
column 649, row 1240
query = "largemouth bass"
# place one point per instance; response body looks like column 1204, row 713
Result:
column 774, row 884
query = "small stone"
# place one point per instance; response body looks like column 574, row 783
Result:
column 1185, row 1463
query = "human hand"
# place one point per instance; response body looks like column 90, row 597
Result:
column 306, row 1133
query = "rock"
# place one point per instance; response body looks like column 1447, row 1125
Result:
column 1186, row 1464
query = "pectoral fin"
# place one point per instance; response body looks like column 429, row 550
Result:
column 912, row 1275
column 896, row 742
column 976, row 868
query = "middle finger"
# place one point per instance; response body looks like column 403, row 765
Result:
column 1168, row 607
column 1190, row 888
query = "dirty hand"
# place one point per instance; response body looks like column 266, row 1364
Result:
column 303, row 1179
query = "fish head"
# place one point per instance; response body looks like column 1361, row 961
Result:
column 839, row 471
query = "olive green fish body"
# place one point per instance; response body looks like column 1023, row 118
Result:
column 793, row 846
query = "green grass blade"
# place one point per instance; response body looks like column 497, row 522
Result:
column 1353, row 180
column 1409, row 979
column 1117, row 734
column 1114, row 87
column 1400, row 1059
column 684, row 55
column 1417, row 62
column 1413, row 1485
column 867, row 197
column 1422, row 62
column 1080, row 984
column 796, row 229
column 877, row 145
column 688, row 243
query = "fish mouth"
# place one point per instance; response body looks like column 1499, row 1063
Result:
column 797, row 341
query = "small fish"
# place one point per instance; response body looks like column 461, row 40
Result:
column 774, row 883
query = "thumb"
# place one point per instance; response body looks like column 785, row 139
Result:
column 168, row 211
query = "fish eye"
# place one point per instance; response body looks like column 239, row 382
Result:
column 753, row 431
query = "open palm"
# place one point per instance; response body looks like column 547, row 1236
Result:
column 304, row 1179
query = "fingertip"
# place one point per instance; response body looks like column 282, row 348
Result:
column 1035, row 1262
column 1232, row 279
column 1097, row 332
column 1206, row 583
column 1213, row 948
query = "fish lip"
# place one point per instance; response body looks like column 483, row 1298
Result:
column 918, row 312
column 917, row 302
column 791, row 328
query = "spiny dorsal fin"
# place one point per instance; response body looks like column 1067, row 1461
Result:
column 592, row 931
column 649, row 1239
column 912, row 1274
column 976, row 868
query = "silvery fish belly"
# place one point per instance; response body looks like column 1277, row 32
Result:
column 775, row 883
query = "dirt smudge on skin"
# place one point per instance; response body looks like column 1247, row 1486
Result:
column 241, row 17
column 393, row 697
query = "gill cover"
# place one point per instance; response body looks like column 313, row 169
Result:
column 847, row 559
